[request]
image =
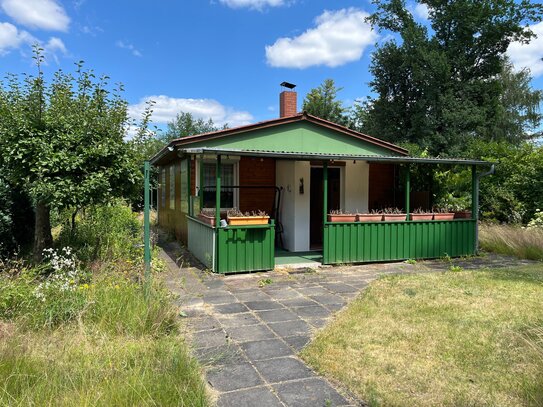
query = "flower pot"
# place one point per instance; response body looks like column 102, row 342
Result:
column 444, row 216
column 369, row 217
column 421, row 216
column 247, row 220
column 394, row 217
column 341, row 218
column 462, row 215
column 210, row 220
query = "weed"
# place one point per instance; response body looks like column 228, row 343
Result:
column 411, row 261
column 264, row 282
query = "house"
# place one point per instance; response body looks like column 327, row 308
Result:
column 297, row 168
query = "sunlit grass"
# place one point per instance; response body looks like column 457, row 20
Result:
column 469, row 338
column 525, row 243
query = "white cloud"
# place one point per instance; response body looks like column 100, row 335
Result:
column 529, row 55
column 419, row 10
column 254, row 4
column 129, row 47
column 12, row 38
column 338, row 38
column 44, row 14
column 166, row 108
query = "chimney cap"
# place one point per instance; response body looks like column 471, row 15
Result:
column 288, row 85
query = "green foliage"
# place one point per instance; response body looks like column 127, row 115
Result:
column 322, row 102
column 6, row 219
column 185, row 124
column 537, row 220
column 105, row 232
column 439, row 88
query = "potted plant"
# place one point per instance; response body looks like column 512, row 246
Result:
column 443, row 213
column 393, row 215
column 420, row 214
column 207, row 215
column 340, row 216
column 237, row 218
column 374, row 216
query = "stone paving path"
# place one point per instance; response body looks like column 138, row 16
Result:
column 247, row 329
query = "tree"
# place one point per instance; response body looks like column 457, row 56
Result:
column 322, row 102
column 63, row 142
column 440, row 88
column 185, row 124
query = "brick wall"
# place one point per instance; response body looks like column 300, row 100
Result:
column 288, row 103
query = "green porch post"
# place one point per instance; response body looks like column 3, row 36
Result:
column 407, row 192
column 201, row 191
column 146, row 232
column 189, row 189
column 218, row 192
column 325, row 192
column 474, row 193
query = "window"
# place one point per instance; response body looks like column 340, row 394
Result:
column 163, row 187
column 184, row 186
column 172, row 186
column 209, row 181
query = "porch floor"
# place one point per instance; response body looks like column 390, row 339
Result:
column 297, row 259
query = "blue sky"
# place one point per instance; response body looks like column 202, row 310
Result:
column 222, row 59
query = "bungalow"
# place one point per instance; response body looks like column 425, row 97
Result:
column 299, row 169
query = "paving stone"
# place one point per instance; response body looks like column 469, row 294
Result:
column 258, row 396
column 282, row 369
column 204, row 323
column 297, row 342
column 335, row 307
column 232, row 308
column 290, row 328
column 277, row 315
column 236, row 320
column 250, row 333
column 309, row 291
column 220, row 355
column 214, row 284
column 298, row 302
column 272, row 348
column 252, row 295
column 211, row 338
column 325, row 299
column 233, row 377
column 340, row 288
column 222, row 297
column 317, row 322
column 311, row 312
column 263, row 305
column 312, row 392
column 284, row 293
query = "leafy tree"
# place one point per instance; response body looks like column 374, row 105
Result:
column 439, row 88
column 322, row 102
column 63, row 142
column 185, row 124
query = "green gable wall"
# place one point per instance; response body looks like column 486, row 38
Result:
column 299, row 137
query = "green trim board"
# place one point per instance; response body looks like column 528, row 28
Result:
column 304, row 137
column 284, row 257
column 360, row 242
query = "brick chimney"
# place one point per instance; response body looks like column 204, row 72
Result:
column 288, row 100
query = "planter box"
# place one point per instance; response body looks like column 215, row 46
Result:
column 369, row 217
column 247, row 220
column 341, row 218
column 462, row 215
column 444, row 216
column 421, row 216
column 210, row 220
column 394, row 217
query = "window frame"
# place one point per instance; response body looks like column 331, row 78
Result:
column 234, row 161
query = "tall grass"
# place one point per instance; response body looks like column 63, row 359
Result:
column 525, row 243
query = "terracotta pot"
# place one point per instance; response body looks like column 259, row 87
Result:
column 247, row 220
column 341, row 218
column 444, row 216
column 421, row 216
column 462, row 215
column 210, row 220
column 369, row 217
column 394, row 217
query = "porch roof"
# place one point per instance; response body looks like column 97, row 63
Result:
column 319, row 156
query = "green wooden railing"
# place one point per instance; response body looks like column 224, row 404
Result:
column 201, row 241
column 384, row 241
column 245, row 248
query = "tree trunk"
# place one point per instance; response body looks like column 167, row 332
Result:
column 42, row 231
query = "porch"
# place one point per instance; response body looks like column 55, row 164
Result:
column 235, row 249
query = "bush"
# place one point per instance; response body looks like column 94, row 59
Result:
column 106, row 233
column 512, row 240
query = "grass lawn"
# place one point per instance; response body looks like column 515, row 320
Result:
column 444, row 339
